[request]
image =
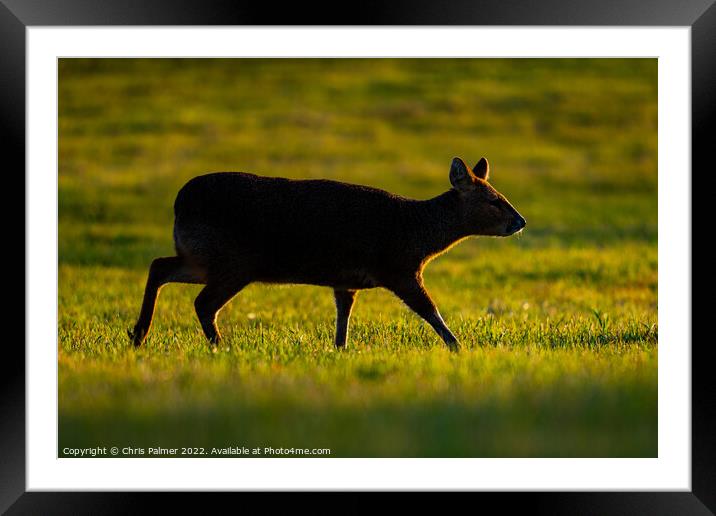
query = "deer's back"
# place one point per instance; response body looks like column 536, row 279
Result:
column 310, row 231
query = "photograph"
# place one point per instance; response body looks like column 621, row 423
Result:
column 357, row 257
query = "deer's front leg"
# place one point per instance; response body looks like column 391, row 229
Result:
column 344, row 305
column 413, row 294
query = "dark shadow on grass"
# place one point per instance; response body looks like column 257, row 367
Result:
column 618, row 427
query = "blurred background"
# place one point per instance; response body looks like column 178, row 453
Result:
column 558, row 325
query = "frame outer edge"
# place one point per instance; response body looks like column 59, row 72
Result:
column 371, row 12
column 12, row 142
column 703, row 392
column 12, row 106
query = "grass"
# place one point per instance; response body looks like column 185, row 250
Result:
column 558, row 325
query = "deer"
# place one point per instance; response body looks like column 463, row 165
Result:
column 232, row 229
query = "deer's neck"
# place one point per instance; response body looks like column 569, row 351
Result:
column 439, row 225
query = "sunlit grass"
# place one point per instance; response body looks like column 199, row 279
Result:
column 558, row 325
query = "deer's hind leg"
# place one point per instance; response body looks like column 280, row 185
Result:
column 218, row 291
column 173, row 269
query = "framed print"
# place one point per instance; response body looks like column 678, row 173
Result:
column 250, row 263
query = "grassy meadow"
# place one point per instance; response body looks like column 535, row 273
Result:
column 558, row 325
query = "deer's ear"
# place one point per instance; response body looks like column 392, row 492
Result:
column 482, row 169
column 461, row 176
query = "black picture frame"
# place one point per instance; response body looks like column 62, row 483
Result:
column 699, row 15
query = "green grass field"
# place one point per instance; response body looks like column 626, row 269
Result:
column 558, row 325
